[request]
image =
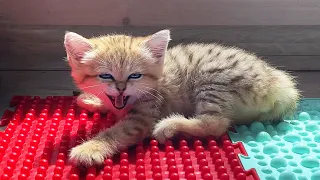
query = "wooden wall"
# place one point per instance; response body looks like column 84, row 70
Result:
column 161, row 12
column 284, row 32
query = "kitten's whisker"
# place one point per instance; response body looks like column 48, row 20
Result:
column 155, row 101
column 97, row 95
column 149, row 87
column 92, row 86
column 101, row 92
column 156, row 91
column 73, row 101
column 140, row 98
column 157, row 97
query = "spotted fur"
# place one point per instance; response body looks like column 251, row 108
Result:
column 196, row 89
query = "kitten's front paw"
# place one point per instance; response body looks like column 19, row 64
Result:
column 90, row 153
column 163, row 131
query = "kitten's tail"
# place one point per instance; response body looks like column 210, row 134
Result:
column 198, row 126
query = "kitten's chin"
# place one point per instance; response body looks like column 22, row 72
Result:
column 119, row 102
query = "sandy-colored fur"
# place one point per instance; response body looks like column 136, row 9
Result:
column 196, row 89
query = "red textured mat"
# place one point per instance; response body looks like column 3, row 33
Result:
column 40, row 133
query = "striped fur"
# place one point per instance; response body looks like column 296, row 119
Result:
column 196, row 89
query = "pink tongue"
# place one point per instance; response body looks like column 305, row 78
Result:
column 119, row 101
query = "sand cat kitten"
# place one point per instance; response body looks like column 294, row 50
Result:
column 197, row 89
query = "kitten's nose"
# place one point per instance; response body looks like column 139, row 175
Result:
column 121, row 86
column 121, row 90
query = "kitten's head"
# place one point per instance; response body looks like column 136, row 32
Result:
column 119, row 67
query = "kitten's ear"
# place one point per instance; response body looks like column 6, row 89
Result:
column 158, row 44
column 76, row 46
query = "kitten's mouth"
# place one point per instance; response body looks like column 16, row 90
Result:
column 120, row 101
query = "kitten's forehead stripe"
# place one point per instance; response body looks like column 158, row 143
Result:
column 130, row 44
column 120, row 52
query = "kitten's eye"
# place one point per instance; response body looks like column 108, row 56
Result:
column 135, row 76
column 106, row 76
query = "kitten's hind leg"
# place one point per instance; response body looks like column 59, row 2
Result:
column 171, row 125
column 207, row 120
column 200, row 126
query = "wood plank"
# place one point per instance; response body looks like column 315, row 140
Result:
column 32, row 62
column 274, row 49
column 224, row 12
column 55, row 62
column 36, row 82
column 41, row 47
column 275, row 40
column 294, row 63
column 227, row 34
column 263, row 49
column 60, row 83
column 72, row 12
column 159, row 12
column 308, row 83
